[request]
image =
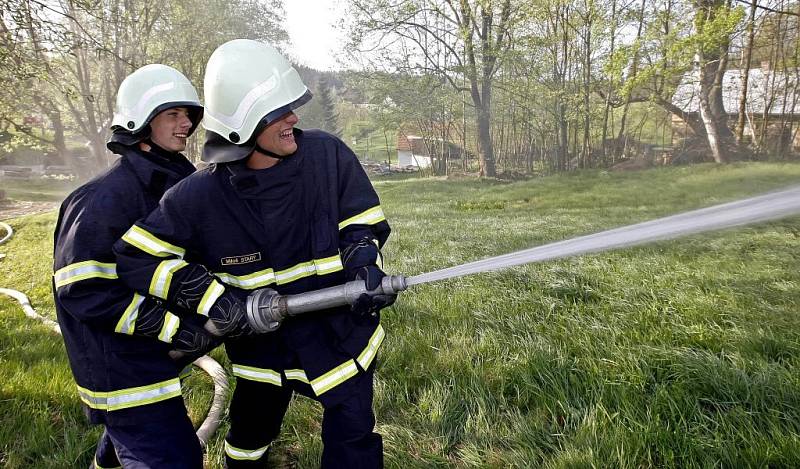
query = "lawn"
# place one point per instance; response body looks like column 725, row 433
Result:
column 676, row 354
column 37, row 190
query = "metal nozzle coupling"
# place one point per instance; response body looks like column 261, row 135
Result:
column 266, row 309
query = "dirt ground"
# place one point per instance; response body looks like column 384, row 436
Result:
column 16, row 208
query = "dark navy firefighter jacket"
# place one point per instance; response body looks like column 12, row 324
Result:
column 116, row 372
column 282, row 227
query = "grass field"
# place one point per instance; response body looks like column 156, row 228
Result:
column 677, row 354
column 37, row 190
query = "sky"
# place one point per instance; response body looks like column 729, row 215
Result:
column 313, row 37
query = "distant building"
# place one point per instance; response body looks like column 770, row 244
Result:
column 411, row 151
column 773, row 104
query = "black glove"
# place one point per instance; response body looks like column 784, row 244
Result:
column 360, row 261
column 229, row 317
column 153, row 320
column 191, row 343
column 371, row 304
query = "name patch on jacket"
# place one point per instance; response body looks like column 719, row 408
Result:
column 243, row 259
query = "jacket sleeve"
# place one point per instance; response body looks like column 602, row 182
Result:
column 360, row 212
column 85, row 282
column 151, row 259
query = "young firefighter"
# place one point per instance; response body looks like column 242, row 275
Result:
column 117, row 341
column 281, row 208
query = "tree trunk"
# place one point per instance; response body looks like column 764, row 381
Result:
column 745, row 70
column 710, row 121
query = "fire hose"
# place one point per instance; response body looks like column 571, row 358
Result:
column 266, row 309
column 205, row 363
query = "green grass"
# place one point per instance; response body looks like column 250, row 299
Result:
column 38, row 190
column 676, row 354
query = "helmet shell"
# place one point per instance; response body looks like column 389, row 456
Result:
column 150, row 90
column 248, row 84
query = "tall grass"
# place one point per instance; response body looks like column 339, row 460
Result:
column 676, row 354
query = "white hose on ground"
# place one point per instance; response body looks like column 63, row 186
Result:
column 205, row 363
column 29, row 311
column 9, row 232
column 214, row 417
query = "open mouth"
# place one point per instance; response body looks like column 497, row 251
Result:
column 287, row 134
column 180, row 135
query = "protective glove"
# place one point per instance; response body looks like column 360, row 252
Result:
column 192, row 343
column 371, row 304
column 153, row 320
column 360, row 260
column 228, row 317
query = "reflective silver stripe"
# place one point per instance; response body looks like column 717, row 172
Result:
column 162, row 277
column 258, row 279
column 298, row 375
column 127, row 323
column 328, row 265
column 336, row 376
column 367, row 217
column 131, row 397
column 266, row 277
column 236, row 120
column 84, row 270
column 296, row 272
column 148, row 243
column 366, row 356
column 144, row 100
column 263, row 375
column 214, row 291
column 244, row 454
column 170, row 327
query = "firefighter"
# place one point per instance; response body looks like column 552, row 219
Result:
column 282, row 208
column 118, row 341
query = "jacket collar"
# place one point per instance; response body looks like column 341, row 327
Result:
column 156, row 173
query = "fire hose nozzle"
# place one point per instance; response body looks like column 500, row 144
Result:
column 266, row 309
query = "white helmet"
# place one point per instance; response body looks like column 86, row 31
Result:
column 146, row 92
column 248, row 84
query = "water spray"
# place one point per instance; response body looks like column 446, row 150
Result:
column 266, row 309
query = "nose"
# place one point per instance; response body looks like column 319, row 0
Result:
column 185, row 122
column 291, row 118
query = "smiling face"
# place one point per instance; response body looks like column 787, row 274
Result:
column 169, row 129
column 278, row 137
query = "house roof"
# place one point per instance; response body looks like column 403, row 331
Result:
column 784, row 100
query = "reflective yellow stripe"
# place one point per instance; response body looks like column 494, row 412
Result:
column 244, row 454
column 127, row 323
column 148, row 243
column 162, row 277
column 367, row 217
column 131, row 397
column 185, row 372
column 328, row 265
column 262, row 278
column 266, row 277
column 334, row 377
column 263, row 375
column 170, row 327
column 366, row 356
column 298, row 375
column 98, row 466
column 214, row 291
column 84, row 270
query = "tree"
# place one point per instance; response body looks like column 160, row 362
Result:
column 65, row 60
column 464, row 42
column 329, row 114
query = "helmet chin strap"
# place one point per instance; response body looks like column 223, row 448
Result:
column 266, row 152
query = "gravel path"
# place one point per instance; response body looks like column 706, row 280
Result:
column 16, row 208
